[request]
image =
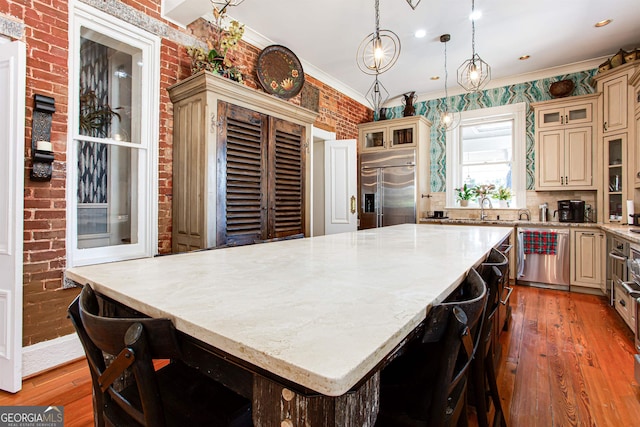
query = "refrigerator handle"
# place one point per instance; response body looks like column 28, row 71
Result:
column 380, row 198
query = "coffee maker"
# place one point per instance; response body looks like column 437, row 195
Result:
column 570, row 210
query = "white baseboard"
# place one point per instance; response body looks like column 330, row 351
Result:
column 45, row 355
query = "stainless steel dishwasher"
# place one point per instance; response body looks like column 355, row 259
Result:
column 550, row 267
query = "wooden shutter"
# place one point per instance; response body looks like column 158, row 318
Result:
column 286, row 178
column 241, row 164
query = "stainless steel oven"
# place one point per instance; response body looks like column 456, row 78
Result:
column 616, row 267
column 632, row 288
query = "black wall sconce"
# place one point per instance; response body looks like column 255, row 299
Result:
column 41, row 148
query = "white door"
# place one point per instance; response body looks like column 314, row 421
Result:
column 340, row 177
column 12, row 104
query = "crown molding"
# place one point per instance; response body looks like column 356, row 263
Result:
column 520, row 78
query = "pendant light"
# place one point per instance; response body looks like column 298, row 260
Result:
column 448, row 118
column 222, row 5
column 377, row 95
column 474, row 73
column 380, row 50
column 413, row 3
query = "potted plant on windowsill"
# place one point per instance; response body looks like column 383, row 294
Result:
column 503, row 195
column 464, row 194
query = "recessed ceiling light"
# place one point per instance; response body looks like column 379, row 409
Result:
column 420, row 33
column 524, row 57
column 477, row 14
column 435, row 77
column 603, row 23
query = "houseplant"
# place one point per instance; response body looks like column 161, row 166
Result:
column 503, row 195
column 224, row 40
column 464, row 194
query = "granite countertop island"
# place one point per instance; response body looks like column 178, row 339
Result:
column 321, row 312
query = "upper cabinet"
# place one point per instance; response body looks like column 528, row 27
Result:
column 615, row 101
column 616, row 133
column 552, row 116
column 565, row 143
column 635, row 81
column 389, row 134
column 239, row 165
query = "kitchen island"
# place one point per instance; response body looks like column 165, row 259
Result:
column 312, row 319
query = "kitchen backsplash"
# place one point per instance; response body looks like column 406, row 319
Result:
column 534, row 200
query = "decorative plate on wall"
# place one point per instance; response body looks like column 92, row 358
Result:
column 280, row 72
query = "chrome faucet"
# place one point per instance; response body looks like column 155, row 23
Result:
column 483, row 215
column 524, row 212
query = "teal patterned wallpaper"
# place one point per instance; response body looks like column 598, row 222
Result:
column 533, row 91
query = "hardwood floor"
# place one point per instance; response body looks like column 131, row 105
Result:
column 567, row 360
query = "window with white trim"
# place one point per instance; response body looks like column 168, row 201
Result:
column 489, row 148
column 113, row 128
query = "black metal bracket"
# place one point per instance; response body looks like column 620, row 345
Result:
column 42, row 160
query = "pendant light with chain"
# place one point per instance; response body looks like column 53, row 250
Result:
column 474, row 73
column 380, row 50
column 448, row 118
column 413, row 3
column 222, row 5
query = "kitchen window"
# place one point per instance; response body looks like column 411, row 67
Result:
column 488, row 147
column 113, row 128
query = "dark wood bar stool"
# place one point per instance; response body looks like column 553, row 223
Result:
column 174, row 395
column 427, row 384
column 484, row 389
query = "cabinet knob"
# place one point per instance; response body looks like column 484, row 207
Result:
column 605, row 126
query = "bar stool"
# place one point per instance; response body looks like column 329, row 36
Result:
column 427, row 384
column 484, row 388
column 174, row 395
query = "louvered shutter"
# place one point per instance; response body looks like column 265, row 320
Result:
column 242, row 188
column 286, row 173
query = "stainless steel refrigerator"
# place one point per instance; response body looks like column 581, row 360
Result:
column 387, row 188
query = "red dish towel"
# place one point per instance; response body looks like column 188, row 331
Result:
column 540, row 242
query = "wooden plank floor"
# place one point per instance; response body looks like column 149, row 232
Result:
column 567, row 361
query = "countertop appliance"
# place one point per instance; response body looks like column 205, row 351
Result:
column 543, row 257
column 387, row 188
column 571, row 210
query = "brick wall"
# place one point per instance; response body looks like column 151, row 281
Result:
column 47, row 39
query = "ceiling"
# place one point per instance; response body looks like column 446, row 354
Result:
column 559, row 36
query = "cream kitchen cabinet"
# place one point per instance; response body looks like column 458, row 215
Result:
column 617, row 100
column 404, row 132
column 618, row 104
column 561, row 115
column 615, row 170
column 635, row 169
column 564, row 159
column 587, row 261
column 565, row 143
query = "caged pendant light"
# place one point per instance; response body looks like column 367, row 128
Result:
column 377, row 95
column 474, row 73
column 380, row 50
column 448, row 119
column 222, row 5
column 413, row 3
